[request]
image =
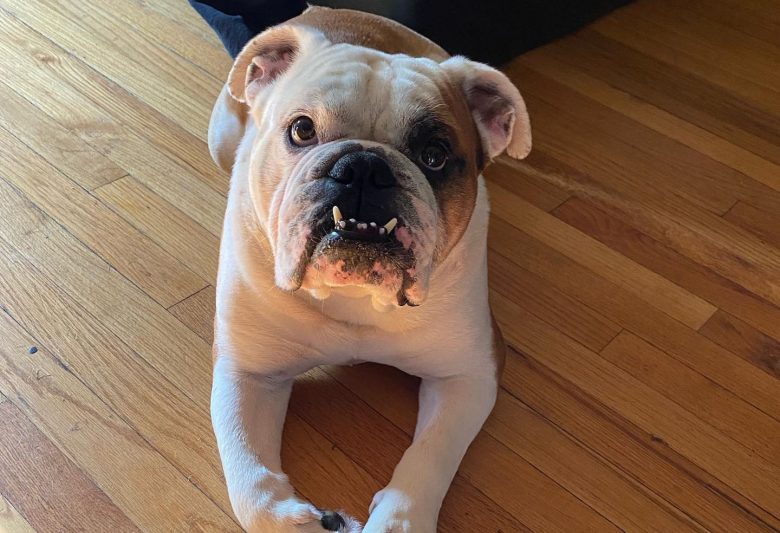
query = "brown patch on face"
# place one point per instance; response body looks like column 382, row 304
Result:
column 456, row 190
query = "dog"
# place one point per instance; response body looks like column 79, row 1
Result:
column 355, row 231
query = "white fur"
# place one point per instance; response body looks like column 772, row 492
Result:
column 264, row 337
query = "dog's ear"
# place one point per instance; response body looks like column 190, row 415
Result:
column 268, row 56
column 496, row 105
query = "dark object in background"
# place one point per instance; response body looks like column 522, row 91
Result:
column 492, row 31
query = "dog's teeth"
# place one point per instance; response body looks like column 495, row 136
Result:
column 351, row 220
column 337, row 214
column 362, row 226
column 382, row 231
column 390, row 225
column 342, row 224
column 372, row 224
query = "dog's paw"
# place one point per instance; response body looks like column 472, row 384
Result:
column 340, row 522
column 393, row 511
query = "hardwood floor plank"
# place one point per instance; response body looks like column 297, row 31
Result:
column 533, row 190
column 98, row 288
column 764, row 224
column 617, row 303
column 745, row 341
column 60, row 147
column 701, row 236
column 188, row 43
column 551, row 305
column 652, row 38
column 323, row 473
column 646, row 284
column 533, row 439
column 693, row 392
column 65, row 498
column 639, row 155
column 122, row 378
column 197, row 313
column 104, row 114
column 619, row 235
column 10, row 519
column 633, row 451
column 101, row 440
column 134, row 255
column 739, row 17
column 166, row 225
column 173, row 87
column 724, row 458
column 675, row 90
column 714, row 42
column 624, row 503
column 658, row 119
column 490, row 468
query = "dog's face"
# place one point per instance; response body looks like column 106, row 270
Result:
column 364, row 168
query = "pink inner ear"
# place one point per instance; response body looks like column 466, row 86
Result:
column 265, row 68
column 495, row 116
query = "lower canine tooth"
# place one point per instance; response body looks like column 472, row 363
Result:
column 342, row 224
column 390, row 225
column 337, row 214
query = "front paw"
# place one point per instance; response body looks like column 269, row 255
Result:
column 395, row 511
column 301, row 517
column 292, row 515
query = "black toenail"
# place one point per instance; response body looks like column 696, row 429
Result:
column 332, row 521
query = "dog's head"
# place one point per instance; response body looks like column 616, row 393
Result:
column 364, row 167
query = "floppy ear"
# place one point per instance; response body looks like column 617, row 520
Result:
column 268, row 56
column 226, row 129
column 496, row 105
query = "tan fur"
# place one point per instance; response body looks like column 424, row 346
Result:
column 371, row 31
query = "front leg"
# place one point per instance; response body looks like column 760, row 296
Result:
column 452, row 411
column 248, row 413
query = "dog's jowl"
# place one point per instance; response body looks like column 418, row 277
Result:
column 355, row 230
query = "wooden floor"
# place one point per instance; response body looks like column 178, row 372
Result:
column 635, row 268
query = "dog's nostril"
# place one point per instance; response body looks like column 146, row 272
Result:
column 343, row 175
column 332, row 521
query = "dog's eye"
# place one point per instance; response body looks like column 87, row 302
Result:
column 302, row 131
column 434, row 156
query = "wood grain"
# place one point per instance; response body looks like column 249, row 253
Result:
column 619, row 235
column 82, row 505
column 10, row 519
column 634, row 265
column 745, row 341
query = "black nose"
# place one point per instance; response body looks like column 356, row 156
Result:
column 363, row 169
column 365, row 187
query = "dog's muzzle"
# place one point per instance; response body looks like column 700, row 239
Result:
column 366, row 187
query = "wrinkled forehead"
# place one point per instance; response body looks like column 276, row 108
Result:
column 371, row 94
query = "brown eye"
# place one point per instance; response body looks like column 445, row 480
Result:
column 302, row 131
column 434, row 156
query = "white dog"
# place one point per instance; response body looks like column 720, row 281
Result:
column 355, row 231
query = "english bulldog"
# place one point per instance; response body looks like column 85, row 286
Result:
column 355, row 231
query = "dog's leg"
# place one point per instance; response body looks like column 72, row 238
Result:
column 452, row 411
column 248, row 413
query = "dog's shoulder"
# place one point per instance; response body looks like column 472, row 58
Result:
column 369, row 30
